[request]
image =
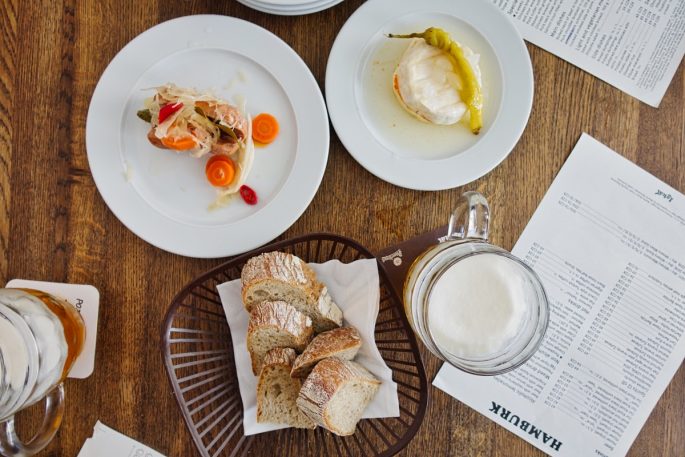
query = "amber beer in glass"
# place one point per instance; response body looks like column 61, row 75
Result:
column 40, row 338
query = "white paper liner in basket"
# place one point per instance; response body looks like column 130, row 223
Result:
column 355, row 288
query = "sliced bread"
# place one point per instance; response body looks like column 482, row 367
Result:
column 277, row 391
column 273, row 325
column 336, row 393
column 280, row 276
column 343, row 343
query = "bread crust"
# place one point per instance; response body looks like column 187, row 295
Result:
column 276, row 269
column 278, row 266
column 275, row 358
column 277, row 316
column 327, row 377
column 280, row 356
column 340, row 342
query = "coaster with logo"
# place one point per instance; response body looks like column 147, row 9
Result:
column 397, row 259
column 86, row 299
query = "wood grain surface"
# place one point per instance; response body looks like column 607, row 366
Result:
column 54, row 225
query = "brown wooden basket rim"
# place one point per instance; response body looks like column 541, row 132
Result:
column 274, row 246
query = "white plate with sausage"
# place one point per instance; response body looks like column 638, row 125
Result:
column 163, row 196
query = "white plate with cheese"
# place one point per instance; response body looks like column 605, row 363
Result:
column 164, row 197
column 290, row 7
column 391, row 143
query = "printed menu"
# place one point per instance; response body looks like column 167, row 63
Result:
column 634, row 45
column 608, row 243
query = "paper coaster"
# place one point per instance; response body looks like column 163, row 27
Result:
column 86, row 299
column 107, row 442
column 396, row 260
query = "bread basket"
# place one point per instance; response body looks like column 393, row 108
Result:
column 198, row 356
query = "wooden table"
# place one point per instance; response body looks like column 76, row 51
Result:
column 55, row 226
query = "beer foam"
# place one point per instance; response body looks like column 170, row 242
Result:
column 52, row 348
column 15, row 356
column 46, row 333
column 478, row 306
column 49, row 338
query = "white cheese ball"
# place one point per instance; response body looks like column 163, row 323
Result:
column 427, row 85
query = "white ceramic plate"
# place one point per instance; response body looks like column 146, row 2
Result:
column 167, row 198
column 287, row 4
column 392, row 144
column 290, row 8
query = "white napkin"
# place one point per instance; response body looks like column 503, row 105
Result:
column 110, row 443
column 355, row 288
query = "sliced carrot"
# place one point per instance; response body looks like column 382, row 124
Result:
column 220, row 171
column 218, row 158
column 264, row 128
column 180, row 144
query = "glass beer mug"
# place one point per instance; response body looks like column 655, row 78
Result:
column 473, row 304
column 40, row 338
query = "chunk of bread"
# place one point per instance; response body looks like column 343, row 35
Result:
column 280, row 276
column 277, row 391
column 343, row 343
column 273, row 325
column 336, row 393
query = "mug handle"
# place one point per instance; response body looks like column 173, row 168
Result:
column 12, row 446
column 470, row 219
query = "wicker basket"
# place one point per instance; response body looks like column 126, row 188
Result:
column 198, row 355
